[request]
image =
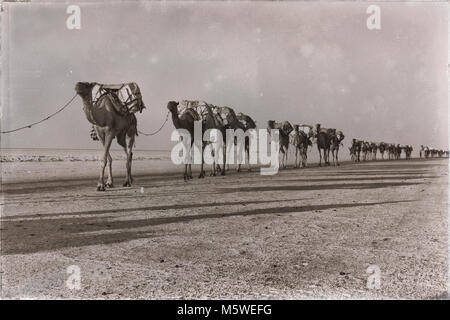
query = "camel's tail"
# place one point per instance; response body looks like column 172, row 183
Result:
column 94, row 134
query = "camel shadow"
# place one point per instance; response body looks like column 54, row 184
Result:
column 37, row 235
column 149, row 208
column 355, row 179
column 318, row 187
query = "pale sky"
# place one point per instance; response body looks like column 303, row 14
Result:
column 298, row 61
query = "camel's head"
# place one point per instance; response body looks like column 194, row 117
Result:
column 271, row 124
column 296, row 127
column 84, row 88
column 172, row 106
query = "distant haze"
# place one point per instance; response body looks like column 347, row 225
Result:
column 297, row 61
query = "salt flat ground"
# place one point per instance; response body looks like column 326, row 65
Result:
column 304, row 233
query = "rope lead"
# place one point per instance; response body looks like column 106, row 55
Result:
column 153, row 133
column 48, row 117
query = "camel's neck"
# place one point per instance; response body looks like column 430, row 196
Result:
column 87, row 108
column 175, row 120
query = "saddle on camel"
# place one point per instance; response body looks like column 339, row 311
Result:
column 208, row 113
column 126, row 99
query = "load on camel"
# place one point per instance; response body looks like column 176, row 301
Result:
column 110, row 109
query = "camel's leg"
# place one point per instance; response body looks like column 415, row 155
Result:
column 213, row 169
column 224, row 150
column 107, row 144
column 300, row 163
column 337, row 158
column 213, row 166
column 296, row 157
column 320, row 156
column 305, row 157
column 109, row 182
column 185, row 172
column 248, row 160
column 202, row 172
column 129, row 152
column 286, row 160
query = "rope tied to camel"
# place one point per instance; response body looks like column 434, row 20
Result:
column 45, row 119
column 162, row 126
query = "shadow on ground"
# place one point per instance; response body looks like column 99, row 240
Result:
column 30, row 236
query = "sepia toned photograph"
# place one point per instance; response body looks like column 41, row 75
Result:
column 224, row 150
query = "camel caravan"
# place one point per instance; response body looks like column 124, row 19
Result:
column 111, row 111
column 427, row 152
column 361, row 150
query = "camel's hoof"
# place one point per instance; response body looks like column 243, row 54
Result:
column 127, row 184
column 201, row 176
column 109, row 185
column 212, row 174
column 100, row 188
column 222, row 173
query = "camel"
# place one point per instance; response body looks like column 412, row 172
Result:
column 365, row 149
column 248, row 123
column 382, row 148
column 285, row 128
column 186, row 121
column 398, row 152
column 391, row 151
column 352, row 153
column 373, row 149
column 408, row 151
column 109, row 124
column 335, row 141
column 230, row 121
column 323, row 143
column 301, row 141
column 355, row 150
